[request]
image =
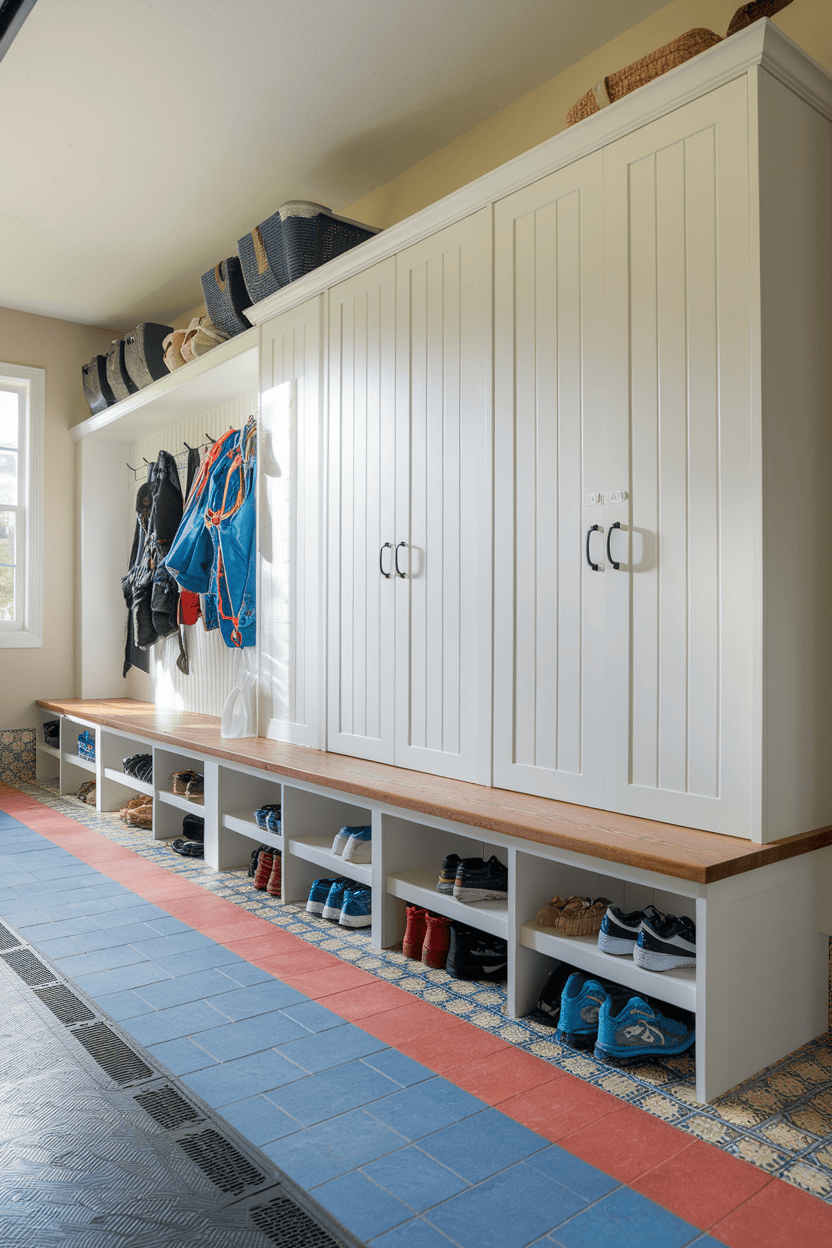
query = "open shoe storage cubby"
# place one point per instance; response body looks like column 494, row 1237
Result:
column 757, row 931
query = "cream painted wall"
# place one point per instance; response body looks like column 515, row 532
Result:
column 542, row 113
column 60, row 348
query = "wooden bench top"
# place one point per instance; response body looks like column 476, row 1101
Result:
column 684, row 853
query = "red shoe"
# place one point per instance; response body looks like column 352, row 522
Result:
column 264, row 869
column 437, row 941
column 273, row 885
column 415, row 933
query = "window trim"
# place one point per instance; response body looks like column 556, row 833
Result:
column 31, row 382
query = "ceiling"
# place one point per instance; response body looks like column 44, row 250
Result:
column 149, row 135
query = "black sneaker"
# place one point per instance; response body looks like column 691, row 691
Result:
column 547, row 1010
column 476, row 955
column 188, row 849
column 477, row 880
column 619, row 931
column 666, row 943
column 447, row 875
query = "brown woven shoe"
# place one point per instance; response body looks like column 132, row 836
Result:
column 577, row 916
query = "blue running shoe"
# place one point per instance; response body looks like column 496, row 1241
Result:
column 335, row 899
column 359, row 848
column 342, row 836
column 630, row 1028
column 318, row 894
column 580, row 1003
column 356, row 907
column 267, row 818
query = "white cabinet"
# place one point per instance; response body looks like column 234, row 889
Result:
column 291, row 625
column 409, row 507
column 648, row 327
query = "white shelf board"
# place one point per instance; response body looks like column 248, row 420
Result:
column 419, row 888
column 675, row 987
column 243, row 821
column 221, row 375
column 48, row 749
column 129, row 782
column 183, row 803
column 87, row 764
column 317, row 849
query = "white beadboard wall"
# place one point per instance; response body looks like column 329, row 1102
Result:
column 213, row 665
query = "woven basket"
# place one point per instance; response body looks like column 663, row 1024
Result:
column 121, row 383
column 180, row 780
column 144, row 355
column 623, row 81
column 97, row 390
column 226, row 296
column 577, row 916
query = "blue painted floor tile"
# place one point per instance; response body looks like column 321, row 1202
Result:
column 182, row 988
column 249, row 1035
column 414, row 1178
column 243, row 973
column 193, row 960
column 121, row 1005
column 63, row 947
column 332, row 1092
column 510, row 1210
column 120, row 917
column 360, row 1206
column 111, row 937
column 236, row 1080
column 259, row 999
column 102, row 983
column 482, row 1145
column 314, row 1017
column 182, row 1020
column 259, row 1120
column 163, row 923
column 155, row 945
column 334, row 1147
column 181, row 1056
column 331, row 1048
column 426, row 1107
column 415, row 1234
column 100, row 960
column 571, row 1172
column 398, row 1066
column 35, row 932
column 627, row 1220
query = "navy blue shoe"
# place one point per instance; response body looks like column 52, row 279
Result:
column 356, row 907
column 335, row 899
column 318, row 894
column 630, row 1029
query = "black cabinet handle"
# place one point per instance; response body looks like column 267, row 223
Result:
column 594, row 529
column 386, row 546
column 398, row 569
column 610, row 559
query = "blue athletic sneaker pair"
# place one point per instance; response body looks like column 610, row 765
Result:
column 267, row 817
column 616, row 1023
column 341, row 900
column 353, row 844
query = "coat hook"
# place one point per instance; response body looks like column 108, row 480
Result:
column 132, row 469
column 185, row 444
column 147, row 461
column 210, row 439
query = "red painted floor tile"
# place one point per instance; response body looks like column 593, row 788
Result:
column 561, row 1107
column 407, row 1021
column 362, row 1002
column 298, row 962
column 779, row 1216
column 504, row 1073
column 445, row 1050
column 163, row 890
column 701, row 1184
column 626, row 1143
column 274, row 942
column 222, row 932
column 319, row 984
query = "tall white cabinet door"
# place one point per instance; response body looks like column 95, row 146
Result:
column 361, row 521
column 443, row 502
column 681, row 718
column 549, row 471
column 291, row 633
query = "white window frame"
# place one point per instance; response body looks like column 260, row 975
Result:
column 27, row 628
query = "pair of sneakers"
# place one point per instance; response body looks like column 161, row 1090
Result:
column 427, row 937
column 354, row 844
column 619, row 1025
column 341, row 900
column 655, row 941
column 473, row 879
column 268, row 873
column 267, row 817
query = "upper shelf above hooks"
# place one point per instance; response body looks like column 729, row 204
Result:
column 220, row 376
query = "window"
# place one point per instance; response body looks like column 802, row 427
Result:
column 21, row 488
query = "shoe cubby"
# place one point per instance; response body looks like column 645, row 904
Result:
column 411, row 859
column 47, row 757
column 310, row 821
column 169, row 807
column 538, row 881
column 115, row 787
column 241, row 793
column 75, row 770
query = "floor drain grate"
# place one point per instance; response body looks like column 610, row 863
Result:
column 112, row 1054
column 64, row 1004
column 8, row 940
column 167, row 1107
column 289, row 1226
column 30, row 969
column 221, row 1162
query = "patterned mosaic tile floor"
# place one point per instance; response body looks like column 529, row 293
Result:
column 781, row 1120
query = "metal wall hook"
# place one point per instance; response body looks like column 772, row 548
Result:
column 210, row 439
column 132, row 469
column 185, row 444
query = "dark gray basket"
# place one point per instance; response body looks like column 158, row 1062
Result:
column 298, row 238
column 226, row 296
column 121, row 383
column 144, row 354
column 97, row 390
